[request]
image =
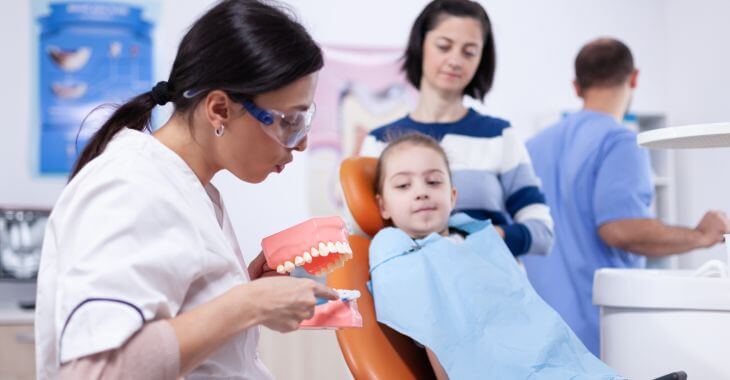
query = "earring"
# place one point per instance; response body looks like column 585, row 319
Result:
column 220, row 130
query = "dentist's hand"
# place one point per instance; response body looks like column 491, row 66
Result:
column 712, row 227
column 278, row 302
column 258, row 268
column 284, row 302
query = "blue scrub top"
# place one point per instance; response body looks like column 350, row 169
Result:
column 592, row 172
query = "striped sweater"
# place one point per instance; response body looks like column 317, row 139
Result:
column 492, row 172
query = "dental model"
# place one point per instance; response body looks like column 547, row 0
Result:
column 318, row 245
column 336, row 314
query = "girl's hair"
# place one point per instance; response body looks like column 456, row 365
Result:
column 429, row 19
column 244, row 47
column 412, row 139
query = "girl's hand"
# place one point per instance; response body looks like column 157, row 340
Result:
column 500, row 231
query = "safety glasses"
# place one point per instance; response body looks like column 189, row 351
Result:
column 289, row 129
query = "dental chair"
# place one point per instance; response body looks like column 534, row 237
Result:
column 375, row 351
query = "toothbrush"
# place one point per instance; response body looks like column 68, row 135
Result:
column 345, row 295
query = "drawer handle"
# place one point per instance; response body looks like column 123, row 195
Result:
column 25, row 338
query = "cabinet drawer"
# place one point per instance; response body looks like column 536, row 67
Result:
column 17, row 352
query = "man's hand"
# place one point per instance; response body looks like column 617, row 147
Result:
column 713, row 226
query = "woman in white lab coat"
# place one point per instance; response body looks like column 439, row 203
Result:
column 141, row 275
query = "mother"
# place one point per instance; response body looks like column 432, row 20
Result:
column 450, row 54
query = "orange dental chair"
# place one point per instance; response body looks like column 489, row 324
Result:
column 375, row 351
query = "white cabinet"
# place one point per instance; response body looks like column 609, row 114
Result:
column 17, row 345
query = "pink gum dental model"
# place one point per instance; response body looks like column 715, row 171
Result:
column 338, row 314
column 319, row 245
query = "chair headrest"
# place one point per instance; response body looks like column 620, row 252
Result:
column 357, row 176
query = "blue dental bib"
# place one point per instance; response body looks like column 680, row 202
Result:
column 472, row 305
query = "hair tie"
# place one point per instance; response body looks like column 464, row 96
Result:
column 160, row 93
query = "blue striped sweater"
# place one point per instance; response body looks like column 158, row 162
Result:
column 492, row 173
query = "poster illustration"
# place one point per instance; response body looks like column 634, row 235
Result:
column 359, row 90
column 90, row 54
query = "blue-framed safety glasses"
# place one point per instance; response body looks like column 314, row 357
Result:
column 289, row 129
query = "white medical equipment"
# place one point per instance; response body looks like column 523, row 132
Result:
column 656, row 321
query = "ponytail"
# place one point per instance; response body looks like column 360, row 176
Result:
column 135, row 114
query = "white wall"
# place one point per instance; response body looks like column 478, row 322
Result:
column 537, row 43
column 698, row 87
column 18, row 184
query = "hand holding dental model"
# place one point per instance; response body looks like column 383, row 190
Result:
column 318, row 246
column 279, row 313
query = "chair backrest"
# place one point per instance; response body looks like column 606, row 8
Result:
column 357, row 177
column 374, row 351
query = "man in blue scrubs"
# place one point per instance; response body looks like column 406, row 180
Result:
column 598, row 184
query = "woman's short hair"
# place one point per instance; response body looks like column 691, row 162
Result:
column 429, row 18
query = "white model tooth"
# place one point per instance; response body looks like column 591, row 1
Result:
column 315, row 253
column 331, row 247
column 307, row 257
column 323, row 250
column 298, row 261
column 280, row 269
column 288, row 266
column 340, row 247
column 348, row 249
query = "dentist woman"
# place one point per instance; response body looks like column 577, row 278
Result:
column 141, row 275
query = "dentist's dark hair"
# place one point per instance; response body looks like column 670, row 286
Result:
column 246, row 47
column 428, row 20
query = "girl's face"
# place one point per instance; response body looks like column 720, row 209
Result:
column 451, row 54
column 246, row 149
column 417, row 194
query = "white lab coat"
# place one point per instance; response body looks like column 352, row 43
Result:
column 135, row 237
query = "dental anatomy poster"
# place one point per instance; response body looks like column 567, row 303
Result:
column 359, row 90
column 90, row 55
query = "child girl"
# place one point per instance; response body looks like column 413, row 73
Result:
column 450, row 283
